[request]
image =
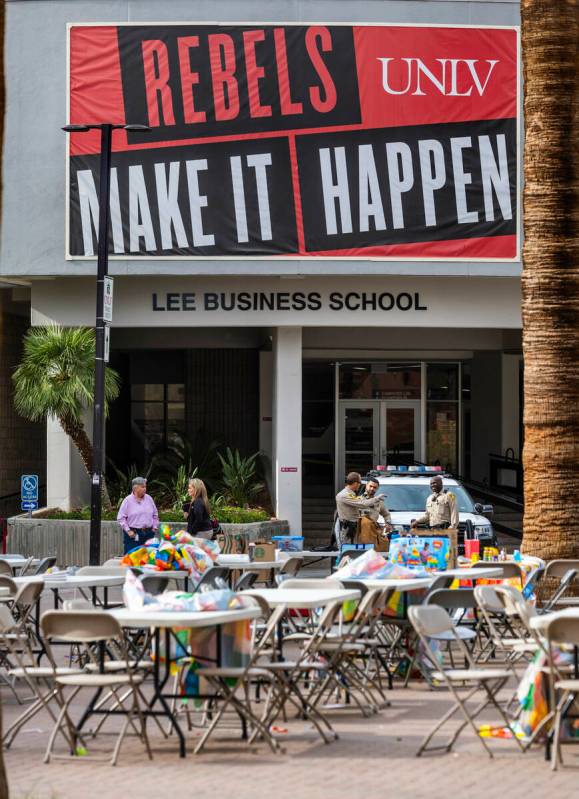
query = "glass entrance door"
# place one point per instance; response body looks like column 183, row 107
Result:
column 377, row 432
column 359, row 436
column 401, row 433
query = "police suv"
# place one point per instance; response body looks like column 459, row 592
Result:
column 406, row 489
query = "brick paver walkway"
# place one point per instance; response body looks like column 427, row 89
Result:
column 373, row 758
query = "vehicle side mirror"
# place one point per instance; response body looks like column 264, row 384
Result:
column 484, row 510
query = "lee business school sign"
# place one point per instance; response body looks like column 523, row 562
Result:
column 427, row 302
column 382, row 141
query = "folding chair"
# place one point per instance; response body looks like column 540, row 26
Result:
column 353, row 654
column 290, row 568
column 44, row 565
column 288, row 675
column 459, row 601
column 232, row 685
column 98, row 631
column 563, row 693
column 8, row 589
column 509, row 571
column 245, row 581
column 40, row 679
column 153, row 584
column 399, row 639
column 6, row 568
column 20, row 634
column 567, row 579
column 429, row 621
column 495, row 624
column 214, row 578
column 23, row 569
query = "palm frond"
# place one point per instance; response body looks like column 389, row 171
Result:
column 56, row 374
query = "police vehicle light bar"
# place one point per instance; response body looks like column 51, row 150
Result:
column 419, row 470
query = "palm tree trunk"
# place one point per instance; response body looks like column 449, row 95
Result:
column 82, row 442
column 550, row 37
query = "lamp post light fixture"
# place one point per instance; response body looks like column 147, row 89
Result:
column 106, row 129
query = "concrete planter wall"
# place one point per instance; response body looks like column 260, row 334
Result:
column 69, row 539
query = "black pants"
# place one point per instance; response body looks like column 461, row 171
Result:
column 139, row 539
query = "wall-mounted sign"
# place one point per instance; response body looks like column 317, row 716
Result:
column 286, row 301
column 371, row 141
column 108, row 287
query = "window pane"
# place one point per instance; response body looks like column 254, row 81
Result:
column 153, row 392
column 400, row 436
column 396, row 380
column 442, row 381
column 176, row 392
column 466, row 379
column 318, row 381
column 356, row 381
column 175, row 411
column 442, row 435
column 147, row 410
column 380, row 381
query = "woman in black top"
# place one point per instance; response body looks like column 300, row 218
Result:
column 197, row 511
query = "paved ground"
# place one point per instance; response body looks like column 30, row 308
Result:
column 373, row 758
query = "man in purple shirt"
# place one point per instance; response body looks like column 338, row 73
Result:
column 138, row 516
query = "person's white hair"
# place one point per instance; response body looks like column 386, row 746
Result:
column 138, row 481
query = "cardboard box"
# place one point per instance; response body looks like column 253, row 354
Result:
column 264, row 551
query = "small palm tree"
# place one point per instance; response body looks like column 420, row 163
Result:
column 56, row 378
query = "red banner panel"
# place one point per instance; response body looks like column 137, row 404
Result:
column 294, row 140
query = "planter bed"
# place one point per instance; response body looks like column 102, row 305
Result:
column 68, row 539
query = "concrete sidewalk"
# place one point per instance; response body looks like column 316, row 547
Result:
column 373, row 758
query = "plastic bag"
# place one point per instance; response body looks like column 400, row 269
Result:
column 136, row 598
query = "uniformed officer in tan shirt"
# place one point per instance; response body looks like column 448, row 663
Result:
column 372, row 485
column 349, row 505
column 441, row 507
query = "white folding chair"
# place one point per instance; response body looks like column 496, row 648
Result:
column 40, row 679
column 563, row 692
column 232, row 687
column 98, row 631
column 429, row 621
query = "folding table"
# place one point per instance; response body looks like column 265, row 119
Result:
column 164, row 622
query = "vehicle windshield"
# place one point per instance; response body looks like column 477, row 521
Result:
column 413, row 497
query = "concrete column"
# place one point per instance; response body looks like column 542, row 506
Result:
column 287, row 426
column 67, row 483
column 266, row 414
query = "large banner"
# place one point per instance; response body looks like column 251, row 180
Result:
column 298, row 140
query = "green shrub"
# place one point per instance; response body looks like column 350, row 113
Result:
column 227, row 514
column 172, row 516
column 81, row 514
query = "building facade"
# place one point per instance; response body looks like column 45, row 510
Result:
column 334, row 337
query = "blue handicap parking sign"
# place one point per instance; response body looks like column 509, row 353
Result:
column 29, row 488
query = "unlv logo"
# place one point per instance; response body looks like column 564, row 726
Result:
column 414, row 77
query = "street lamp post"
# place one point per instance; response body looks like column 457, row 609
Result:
column 106, row 130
